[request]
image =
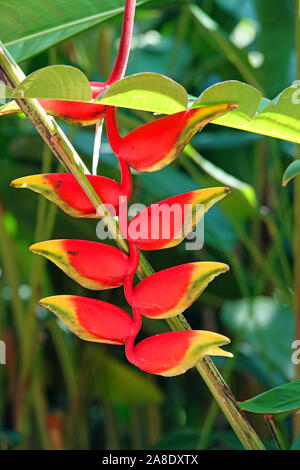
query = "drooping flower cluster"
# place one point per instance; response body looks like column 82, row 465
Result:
column 99, row 266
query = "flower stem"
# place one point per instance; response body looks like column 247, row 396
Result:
column 64, row 151
column 119, row 68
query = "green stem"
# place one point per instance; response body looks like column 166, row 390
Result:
column 66, row 154
column 275, row 432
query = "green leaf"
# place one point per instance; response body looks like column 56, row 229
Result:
column 60, row 82
column 245, row 96
column 277, row 400
column 292, row 170
column 149, row 92
column 29, row 27
column 279, row 118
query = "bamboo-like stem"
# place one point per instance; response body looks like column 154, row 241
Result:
column 297, row 228
column 64, row 151
column 275, row 431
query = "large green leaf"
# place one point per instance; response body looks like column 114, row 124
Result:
column 31, row 26
column 55, row 82
column 286, row 397
column 279, row 118
column 149, row 92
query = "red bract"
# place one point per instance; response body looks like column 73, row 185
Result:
column 171, row 291
column 175, row 352
column 67, row 194
column 91, row 264
column 156, row 144
column 77, row 112
column 166, row 223
column 90, row 319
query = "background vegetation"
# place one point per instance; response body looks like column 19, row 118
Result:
column 86, row 396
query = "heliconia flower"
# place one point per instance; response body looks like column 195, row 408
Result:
column 74, row 112
column 169, row 292
column 154, row 145
column 64, row 190
column 93, row 265
column 175, row 352
column 90, row 319
column 166, row 223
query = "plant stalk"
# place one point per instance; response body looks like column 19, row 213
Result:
column 275, row 431
column 119, row 68
column 67, row 155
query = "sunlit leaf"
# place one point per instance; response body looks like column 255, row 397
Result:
column 59, row 82
column 148, row 92
column 279, row 118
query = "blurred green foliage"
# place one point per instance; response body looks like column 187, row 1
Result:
column 86, row 396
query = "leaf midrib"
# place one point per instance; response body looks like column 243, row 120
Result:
column 70, row 24
column 64, row 26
